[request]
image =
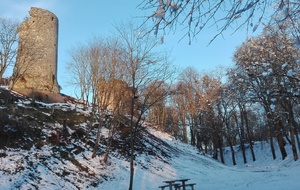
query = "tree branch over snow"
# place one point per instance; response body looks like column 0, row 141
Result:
column 192, row 16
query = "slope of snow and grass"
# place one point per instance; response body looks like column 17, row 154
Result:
column 31, row 157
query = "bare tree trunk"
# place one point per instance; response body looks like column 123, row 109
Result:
column 232, row 152
column 280, row 139
column 206, row 148
column 99, row 125
column 272, row 148
column 243, row 147
column 185, row 138
column 109, row 142
column 293, row 125
column 297, row 137
column 271, row 133
column 292, row 133
column 1, row 73
column 199, row 144
column 249, row 134
column 193, row 140
column 131, row 143
column 221, row 150
column 229, row 140
column 281, row 145
column 242, row 134
column 295, row 154
column 215, row 154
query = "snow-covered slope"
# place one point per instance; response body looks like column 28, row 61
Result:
column 209, row 174
column 40, row 169
column 46, row 166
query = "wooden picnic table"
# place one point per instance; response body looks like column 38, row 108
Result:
column 183, row 182
column 172, row 183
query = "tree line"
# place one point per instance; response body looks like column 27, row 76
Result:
column 255, row 100
column 258, row 100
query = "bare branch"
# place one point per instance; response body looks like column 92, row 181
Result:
column 194, row 15
column 8, row 43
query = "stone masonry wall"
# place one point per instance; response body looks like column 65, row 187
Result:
column 36, row 65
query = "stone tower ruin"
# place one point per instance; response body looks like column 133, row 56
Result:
column 36, row 65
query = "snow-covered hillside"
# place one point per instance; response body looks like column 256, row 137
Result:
column 46, row 166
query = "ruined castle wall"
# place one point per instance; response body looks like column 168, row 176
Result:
column 36, row 65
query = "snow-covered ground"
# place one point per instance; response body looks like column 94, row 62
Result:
column 187, row 163
column 41, row 170
column 208, row 174
column 71, row 167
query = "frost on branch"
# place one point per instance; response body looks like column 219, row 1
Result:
column 159, row 15
column 192, row 16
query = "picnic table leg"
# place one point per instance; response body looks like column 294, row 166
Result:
column 183, row 185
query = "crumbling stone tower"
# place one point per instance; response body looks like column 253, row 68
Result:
column 36, row 65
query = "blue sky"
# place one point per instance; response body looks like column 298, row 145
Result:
column 79, row 20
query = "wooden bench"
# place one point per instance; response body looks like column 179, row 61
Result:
column 178, row 187
column 169, row 186
column 163, row 187
column 183, row 181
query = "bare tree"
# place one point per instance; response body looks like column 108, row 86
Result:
column 78, row 68
column 97, row 69
column 157, row 113
column 145, row 66
column 190, row 91
column 8, row 43
column 177, row 113
column 211, row 88
column 226, row 109
column 119, row 94
column 266, row 62
column 197, row 98
column 112, row 92
column 195, row 15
